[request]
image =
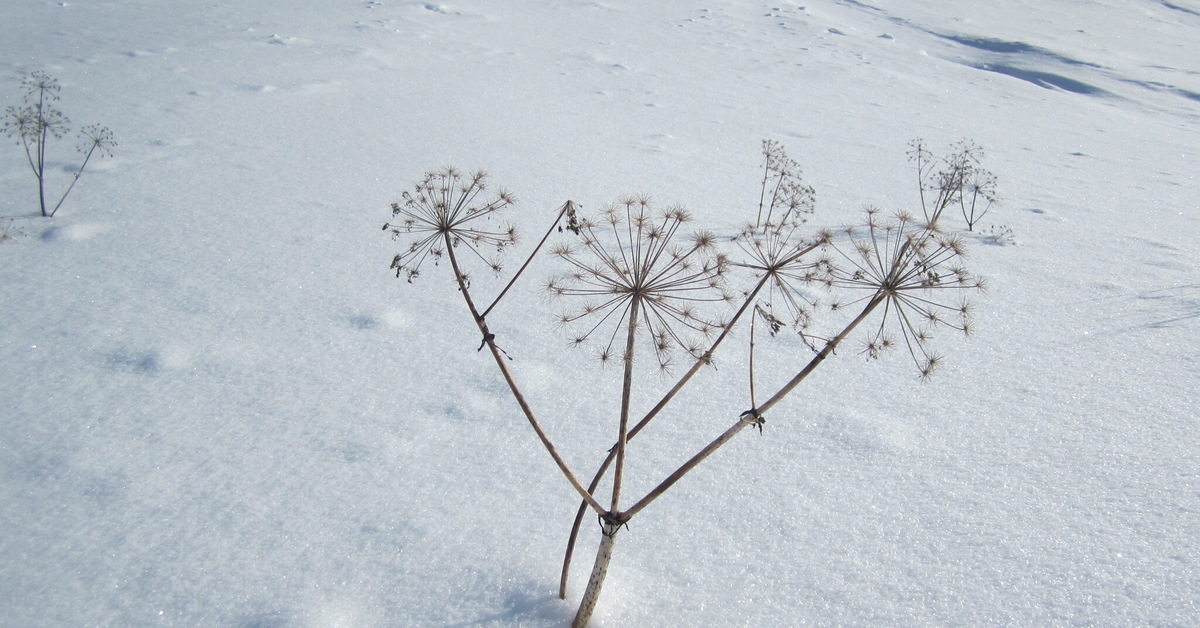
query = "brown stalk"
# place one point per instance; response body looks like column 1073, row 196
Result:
column 610, row 522
column 662, row 403
column 753, row 416
column 626, row 392
column 490, row 340
column 561, row 211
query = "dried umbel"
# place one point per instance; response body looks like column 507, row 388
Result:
column 448, row 209
column 916, row 272
column 636, row 276
column 633, row 267
column 774, row 245
column 785, row 198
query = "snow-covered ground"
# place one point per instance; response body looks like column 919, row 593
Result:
column 219, row 408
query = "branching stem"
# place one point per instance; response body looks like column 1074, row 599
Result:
column 662, row 403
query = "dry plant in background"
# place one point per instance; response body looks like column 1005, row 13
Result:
column 956, row 180
column 38, row 121
column 637, row 281
column 8, row 231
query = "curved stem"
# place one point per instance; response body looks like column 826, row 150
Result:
column 753, row 328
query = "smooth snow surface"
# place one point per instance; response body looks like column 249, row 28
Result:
column 219, row 408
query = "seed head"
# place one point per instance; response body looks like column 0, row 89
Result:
column 447, row 206
column 632, row 255
column 913, row 269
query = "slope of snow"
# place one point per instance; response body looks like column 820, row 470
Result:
column 220, row 408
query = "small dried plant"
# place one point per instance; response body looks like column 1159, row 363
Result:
column 775, row 247
column 8, row 231
column 956, row 180
column 635, row 278
column 38, row 121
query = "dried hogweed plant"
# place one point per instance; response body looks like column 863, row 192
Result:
column 636, row 277
column 956, row 180
column 39, row 121
column 775, row 248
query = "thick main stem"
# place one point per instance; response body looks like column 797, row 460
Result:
column 612, row 522
column 490, row 341
column 40, row 170
column 608, row 539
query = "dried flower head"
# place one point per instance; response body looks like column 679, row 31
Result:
column 38, row 118
column 30, row 125
column 629, row 265
column 40, row 85
column 774, row 246
column 447, row 207
column 917, row 272
column 96, row 138
column 785, row 198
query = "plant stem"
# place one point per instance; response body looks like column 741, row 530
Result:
column 752, row 417
column 40, row 145
column 489, row 339
column 744, row 421
column 662, row 403
column 824, row 353
column 78, row 173
column 753, row 326
column 608, row 539
column 611, row 523
column 626, row 393
column 562, row 210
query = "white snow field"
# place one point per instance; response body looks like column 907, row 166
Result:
column 219, row 407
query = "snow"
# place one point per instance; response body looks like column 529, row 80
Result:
column 220, row 408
